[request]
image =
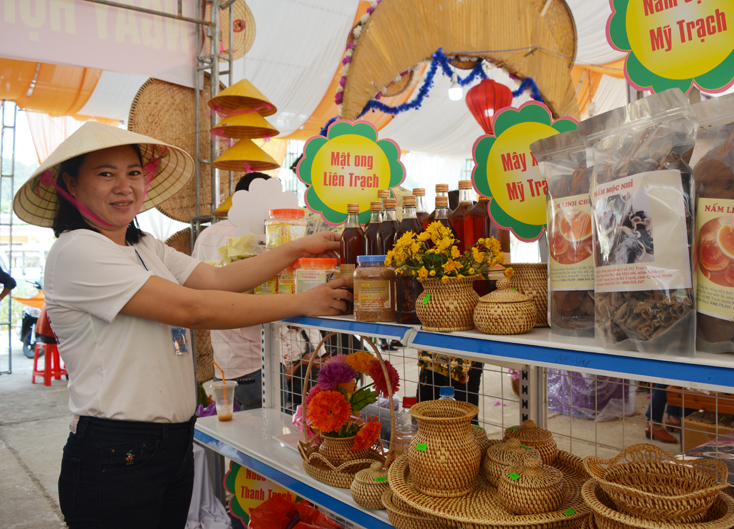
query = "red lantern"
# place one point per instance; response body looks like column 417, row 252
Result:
column 485, row 99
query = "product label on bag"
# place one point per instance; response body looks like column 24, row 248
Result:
column 307, row 279
column 569, row 243
column 372, row 295
column 715, row 263
column 347, row 271
column 641, row 237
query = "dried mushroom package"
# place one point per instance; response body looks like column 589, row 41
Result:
column 642, row 193
column 562, row 160
column 713, row 169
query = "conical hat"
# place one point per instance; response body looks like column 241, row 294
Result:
column 37, row 203
column 250, row 125
column 242, row 96
column 224, row 207
column 243, row 30
column 245, row 152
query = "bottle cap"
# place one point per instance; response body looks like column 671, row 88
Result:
column 294, row 213
column 419, row 192
column 364, row 259
column 390, row 203
column 409, row 402
column 383, row 193
column 408, row 200
column 447, row 391
column 317, row 262
column 442, row 202
column 352, row 208
column 442, row 188
column 376, row 206
column 465, row 184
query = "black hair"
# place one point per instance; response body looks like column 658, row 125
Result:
column 245, row 181
column 68, row 217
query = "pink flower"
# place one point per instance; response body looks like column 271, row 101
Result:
column 343, row 80
column 340, row 358
column 298, row 422
column 370, row 10
column 351, row 46
column 346, row 60
column 331, row 375
column 339, row 98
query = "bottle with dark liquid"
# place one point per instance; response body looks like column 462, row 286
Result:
column 463, row 227
column 420, row 205
column 370, row 233
column 442, row 211
column 388, row 227
column 478, row 216
column 352, row 246
column 442, row 190
column 407, row 289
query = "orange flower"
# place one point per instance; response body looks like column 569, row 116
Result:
column 367, row 435
column 348, row 388
column 360, row 361
column 329, row 411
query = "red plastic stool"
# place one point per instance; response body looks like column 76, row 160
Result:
column 52, row 363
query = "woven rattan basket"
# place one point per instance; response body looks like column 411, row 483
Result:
column 444, row 455
column 447, row 307
column 501, row 456
column 505, row 311
column 369, row 485
column 529, row 434
column 342, row 475
column 531, row 487
column 645, row 481
column 408, row 518
column 483, row 441
column 719, row 516
column 531, row 279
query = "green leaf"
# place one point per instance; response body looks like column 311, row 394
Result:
column 361, row 398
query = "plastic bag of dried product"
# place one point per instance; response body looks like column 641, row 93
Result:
column 713, row 170
column 642, row 197
column 562, row 160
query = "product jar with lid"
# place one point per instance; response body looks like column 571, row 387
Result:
column 374, row 289
column 284, row 226
column 314, row 272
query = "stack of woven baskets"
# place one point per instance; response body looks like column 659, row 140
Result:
column 643, row 487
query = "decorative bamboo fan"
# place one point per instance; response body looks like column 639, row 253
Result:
column 243, row 30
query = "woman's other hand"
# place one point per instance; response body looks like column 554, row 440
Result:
column 327, row 300
column 322, row 244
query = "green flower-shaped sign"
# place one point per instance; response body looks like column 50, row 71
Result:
column 250, row 490
column 675, row 43
column 348, row 167
column 506, row 171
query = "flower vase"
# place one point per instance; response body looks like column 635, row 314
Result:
column 338, row 450
column 446, row 307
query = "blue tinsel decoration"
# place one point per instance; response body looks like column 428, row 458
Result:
column 439, row 59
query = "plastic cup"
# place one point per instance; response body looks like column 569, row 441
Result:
column 225, row 407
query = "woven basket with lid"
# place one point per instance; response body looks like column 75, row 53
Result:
column 482, row 440
column 501, row 456
column 529, row 434
column 505, row 311
column 369, row 485
column 531, row 487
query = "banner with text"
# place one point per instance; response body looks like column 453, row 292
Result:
column 349, row 166
column 250, row 489
column 675, row 43
column 506, row 171
column 81, row 33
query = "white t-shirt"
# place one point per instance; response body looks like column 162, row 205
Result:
column 236, row 351
column 120, row 366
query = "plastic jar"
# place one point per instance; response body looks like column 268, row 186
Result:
column 287, row 280
column 374, row 289
column 314, row 272
column 284, row 226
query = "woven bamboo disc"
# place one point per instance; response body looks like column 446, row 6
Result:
column 369, row 485
column 251, row 125
column 502, row 455
column 482, row 508
column 645, row 481
column 166, row 111
column 243, row 30
column 450, row 306
column 398, row 87
column 403, row 518
column 531, row 279
column 529, row 434
column 505, row 311
column 719, row 516
column 317, row 465
column 242, row 96
column 530, row 487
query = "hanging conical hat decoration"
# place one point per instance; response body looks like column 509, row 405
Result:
column 242, row 96
column 224, row 207
column 251, row 125
column 243, row 30
column 167, row 111
column 245, row 155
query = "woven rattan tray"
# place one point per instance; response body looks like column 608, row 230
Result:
column 482, row 508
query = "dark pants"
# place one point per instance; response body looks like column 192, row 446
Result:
column 123, row 474
column 658, row 402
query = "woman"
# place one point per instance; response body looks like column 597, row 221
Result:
column 120, row 302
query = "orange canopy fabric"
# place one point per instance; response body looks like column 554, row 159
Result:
column 589, row 75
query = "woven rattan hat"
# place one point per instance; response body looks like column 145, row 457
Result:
column 250, row 125
column 245, row 152
column 37, row 203
column 242, row 96
column 243, row 30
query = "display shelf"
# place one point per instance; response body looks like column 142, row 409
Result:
column 249, row 439
column 348, row 324
column 541, row 348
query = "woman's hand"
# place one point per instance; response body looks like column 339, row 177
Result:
column 327, row 300
column 322, row 244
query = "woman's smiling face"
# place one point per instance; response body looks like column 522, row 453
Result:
column 111, row 184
